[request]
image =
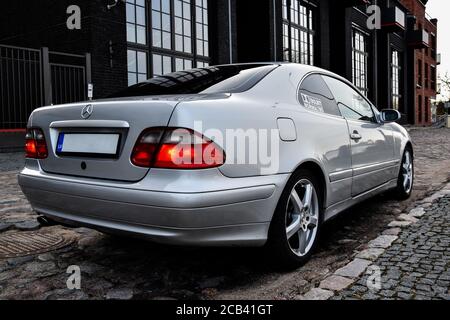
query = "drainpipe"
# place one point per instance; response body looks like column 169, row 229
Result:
column 274, row 30
column 229, row 31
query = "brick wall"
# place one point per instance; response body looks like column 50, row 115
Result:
column 109, row 70
column 38, row 24
column 423, row 60
column 43, row 24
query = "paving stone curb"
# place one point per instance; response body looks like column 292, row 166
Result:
column 28, row 225
column 351, row 272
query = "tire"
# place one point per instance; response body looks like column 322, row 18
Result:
column 405, row 181
column 288, row 248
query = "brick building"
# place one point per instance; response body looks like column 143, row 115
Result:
column 123, row 42
column 425, row 60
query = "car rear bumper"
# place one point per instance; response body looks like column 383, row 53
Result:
column 159, row 209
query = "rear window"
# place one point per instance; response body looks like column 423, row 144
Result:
column 217, row 79
column 315, row 95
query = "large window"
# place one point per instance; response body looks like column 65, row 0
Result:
column 177, row 32
column 433, row 46
column 360, row 61
column 419, row 118
column 298, row 31
column 183, row 26
column 433, row 78
column 419, row 73
column 180, row 35
column 161, row 24
column 136, row 16
column 201, row 18
column 396, row 79
column 136, row 21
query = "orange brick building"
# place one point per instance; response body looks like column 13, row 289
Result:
column 424, row 41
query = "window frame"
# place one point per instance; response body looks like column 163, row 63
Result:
column 363, row 56
column 375, row 111
column 299, row 88
column 433, row 78
column 136, row 73
column 420, row 73
column 396, row 78
column 195, row 58
column 420, row 109
column 136, row 24
column 289, row 25
column 433, row 45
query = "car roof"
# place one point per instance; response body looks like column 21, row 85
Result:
column 305, row 69
column 301, row 67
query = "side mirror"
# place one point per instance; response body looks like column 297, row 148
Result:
column 390, row 115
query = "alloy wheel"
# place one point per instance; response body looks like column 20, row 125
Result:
column 302, row 217
column 407, row 172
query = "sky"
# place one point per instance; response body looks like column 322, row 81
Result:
column 440, row 9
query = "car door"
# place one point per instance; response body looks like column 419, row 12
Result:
column 372, row 145
column 326, row 131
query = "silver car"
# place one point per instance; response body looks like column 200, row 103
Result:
column 178, row 159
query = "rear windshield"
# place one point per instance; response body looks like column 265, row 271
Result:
column 217, row 79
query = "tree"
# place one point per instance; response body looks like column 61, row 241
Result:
column 445, row 85
column 445, row 93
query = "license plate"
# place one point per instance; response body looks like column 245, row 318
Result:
column 88, row 144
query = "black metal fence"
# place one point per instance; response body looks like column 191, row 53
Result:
column 20, row 85
column 31, row 78
column 68, row 80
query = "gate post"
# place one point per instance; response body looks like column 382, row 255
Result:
column 46, row 77
column 88, row 72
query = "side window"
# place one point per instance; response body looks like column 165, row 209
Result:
column 351, row 103
column 315, row 95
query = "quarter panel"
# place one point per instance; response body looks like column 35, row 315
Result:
column 321, row 138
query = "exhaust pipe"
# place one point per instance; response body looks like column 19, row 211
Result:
column 45, row 222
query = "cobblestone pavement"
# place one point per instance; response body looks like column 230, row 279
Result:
column 117, row 268
column 417, row 265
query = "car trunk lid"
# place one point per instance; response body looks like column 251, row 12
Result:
column 84, row 147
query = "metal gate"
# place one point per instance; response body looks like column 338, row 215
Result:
column 68, row 80
column 20, row 85
column 31, row 78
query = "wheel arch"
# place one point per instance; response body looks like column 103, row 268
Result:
column 409, row 146
column 314, row 167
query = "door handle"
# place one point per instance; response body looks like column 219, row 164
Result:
column 355, row 135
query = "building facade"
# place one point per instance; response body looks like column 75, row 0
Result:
column 424, row 61
column 391, row 59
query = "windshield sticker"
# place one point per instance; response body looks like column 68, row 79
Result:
column 312, row 103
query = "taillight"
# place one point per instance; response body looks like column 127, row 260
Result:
column 35, row 145
column 145, row 149
column 176, row 149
